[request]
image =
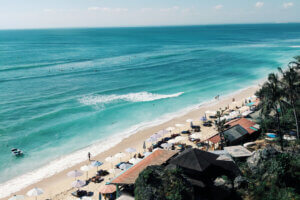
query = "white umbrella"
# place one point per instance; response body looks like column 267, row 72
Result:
column 163, row 132
column 86, row 198
column 172, row 141
column 195, row 136
column 75, row 173
column 151, row 140
column 115, row 171
column 210, row 112
column 125, row 166
column 147, row 154
column 110, row 159
column 159, row 134
column 17, row 197
column 179, row 138
column 96, row 164
column 170, row 128
column 130, row 150
column 86, row 168
column 166, row 145
column 120, row 155
column 135, row 160
column 78, row 184
column 35, row 192
column 189, row 120
column 179, row 125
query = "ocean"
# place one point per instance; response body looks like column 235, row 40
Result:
column 64, row 92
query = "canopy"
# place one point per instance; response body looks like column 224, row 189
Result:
column 107, row 189
column 130, row 150
column 35, row 192
column 78, row 184
column 199, row 161
column 75, row 173
column 96, row 163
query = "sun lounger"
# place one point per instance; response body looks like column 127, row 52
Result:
column 79, row 193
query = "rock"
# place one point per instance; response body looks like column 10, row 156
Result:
column 240, row 182
column 254, row 160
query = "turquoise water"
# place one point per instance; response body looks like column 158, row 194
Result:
column 65, row 89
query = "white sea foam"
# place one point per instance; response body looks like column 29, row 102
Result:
column 70, row 160
column 296, row 46
column 133, row 97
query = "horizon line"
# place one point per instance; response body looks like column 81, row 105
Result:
column 148, row 26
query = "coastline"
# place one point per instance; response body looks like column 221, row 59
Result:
column 58, row 183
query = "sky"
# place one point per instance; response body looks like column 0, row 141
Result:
column 20, row 14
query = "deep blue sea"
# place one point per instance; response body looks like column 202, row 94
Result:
column 62, row 90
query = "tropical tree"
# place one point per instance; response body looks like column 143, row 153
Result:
column 221, row 127
column 290, row 85
column 295, row 64
column 271, row 101
column 158, row 183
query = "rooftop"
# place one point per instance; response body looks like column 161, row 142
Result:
column 245, row 123
column 157, row 157
column 238, row 151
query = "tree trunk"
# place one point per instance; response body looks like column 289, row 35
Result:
column 296, row 118
column 278, row 129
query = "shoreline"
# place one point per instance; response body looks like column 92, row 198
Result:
column 133, row 139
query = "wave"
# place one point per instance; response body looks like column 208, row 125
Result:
column 296, row 46
column 131, row 97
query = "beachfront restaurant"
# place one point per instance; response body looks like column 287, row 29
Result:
column 201, row 168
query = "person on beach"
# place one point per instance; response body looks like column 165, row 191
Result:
column 89, row 156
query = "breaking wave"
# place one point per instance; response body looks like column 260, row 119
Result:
column 132, row 97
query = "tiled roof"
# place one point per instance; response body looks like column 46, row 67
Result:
column 158, row 157
column 243, row 122
column 215, row 139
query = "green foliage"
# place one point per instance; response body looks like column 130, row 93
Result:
column 157, row 183
column 277, row 178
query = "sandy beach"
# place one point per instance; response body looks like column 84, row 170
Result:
column 58, row 186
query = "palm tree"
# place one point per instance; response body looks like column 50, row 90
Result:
column 221, row 127
column 295, row 64
column 271, row 100
column 290, row 85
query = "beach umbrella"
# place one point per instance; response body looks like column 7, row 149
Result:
column 135, row 160
column 210, row 112
column 110, row 159
column 170, row 128
column 75, row 173
column 151, row 140
column 120, row 155
column 115, row 171
column 179, row 138
column 179, row 125
column 96, row 164
column 155, row 136
column 125, row 166
column 147, row 154
column 163, row 132
column 107, row 189
column 35, row 192
column 86, row 198
column 203, row 118
column 86, row 168
column 130, row 151
column 159, row 134
column 17, row 197
column 189, row 120
column 172, row 141
column 166, row 145
column 78, row 184
column 195, row 136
